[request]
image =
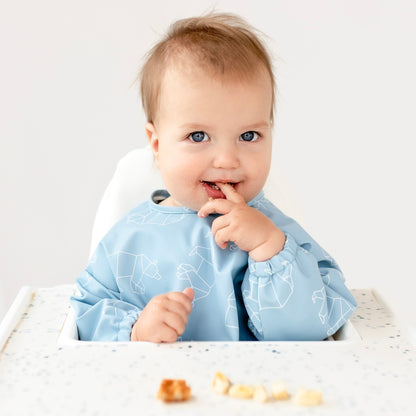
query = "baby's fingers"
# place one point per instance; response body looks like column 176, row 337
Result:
column 215, row 206
column 164, row 333
column 230, row 193
column 176, row 322
column 189, row 292
column 180, row 301
column 222, row 238
column 220, row 223
column 219, row 231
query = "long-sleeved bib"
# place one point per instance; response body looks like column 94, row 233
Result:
column 299, row 294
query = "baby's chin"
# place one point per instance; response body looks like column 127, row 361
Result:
column 194, row 205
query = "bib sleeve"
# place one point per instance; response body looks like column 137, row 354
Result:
column 299, row 294
column 101, row 314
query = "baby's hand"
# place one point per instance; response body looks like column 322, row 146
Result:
column 164, row 318
column 247, row 227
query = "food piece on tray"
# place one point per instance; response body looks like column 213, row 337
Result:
column 173, row 391
column 221, row 383
column 279, row 391
column 241, row 391
column 260, row 394
column 306, row 397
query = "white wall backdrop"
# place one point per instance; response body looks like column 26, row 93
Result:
column 344, row 134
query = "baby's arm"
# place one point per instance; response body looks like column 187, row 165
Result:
column 164, row 318
column 101, row 314
column 292, row 289
column 247, row 227
column 297, row 295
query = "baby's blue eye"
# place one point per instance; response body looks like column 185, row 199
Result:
column 249, row 136
column 198, row 136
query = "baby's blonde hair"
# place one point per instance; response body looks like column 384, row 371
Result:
column 222, row 43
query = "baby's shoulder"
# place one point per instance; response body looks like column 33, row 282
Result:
column 125, row 226
column 279, row 218
column 148, row 219
column 265, row 206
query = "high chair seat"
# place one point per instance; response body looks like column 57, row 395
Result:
column 137, row 176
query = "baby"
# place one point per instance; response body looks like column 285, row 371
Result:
column 210, row 258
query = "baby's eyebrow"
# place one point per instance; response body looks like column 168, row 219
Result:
column 194, row 126
column 256, row 126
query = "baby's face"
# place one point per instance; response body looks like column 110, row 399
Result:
column 212, row 130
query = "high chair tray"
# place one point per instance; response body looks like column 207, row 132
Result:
column 368, row 368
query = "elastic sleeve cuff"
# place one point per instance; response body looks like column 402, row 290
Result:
column 276, row 263
column 127, row 324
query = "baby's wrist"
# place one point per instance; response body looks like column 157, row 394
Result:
column 270, row 248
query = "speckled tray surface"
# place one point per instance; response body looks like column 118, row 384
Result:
column 372, row 374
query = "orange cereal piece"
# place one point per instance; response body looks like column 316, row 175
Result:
column 173, row 391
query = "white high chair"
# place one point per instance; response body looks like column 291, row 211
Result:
column 136, row 177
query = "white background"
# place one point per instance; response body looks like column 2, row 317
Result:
column 345, row 126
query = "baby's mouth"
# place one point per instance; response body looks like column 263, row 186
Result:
column 214, row 191
column 215, row 186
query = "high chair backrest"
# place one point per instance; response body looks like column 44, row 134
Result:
column 136, row 177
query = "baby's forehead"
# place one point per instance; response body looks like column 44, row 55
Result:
column 205, row 96
column 189, row 65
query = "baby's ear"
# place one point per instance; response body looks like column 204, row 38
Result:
column 153, row 139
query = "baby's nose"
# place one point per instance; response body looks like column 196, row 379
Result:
column 226, row 157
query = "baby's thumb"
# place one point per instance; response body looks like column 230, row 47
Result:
column 189, row 292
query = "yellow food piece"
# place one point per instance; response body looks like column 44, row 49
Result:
column 260, row 394
column 241, row 391
column 279, row 391
column 306, row 397
column 221, row 383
